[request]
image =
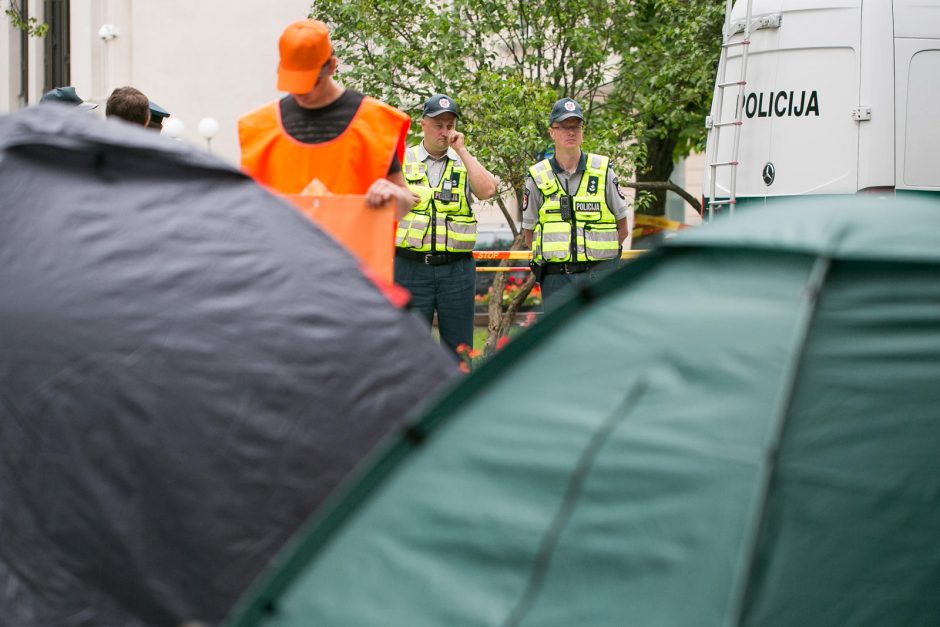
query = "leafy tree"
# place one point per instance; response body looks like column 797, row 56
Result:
column 506, row 61
column 32, row 26
column 670, row 52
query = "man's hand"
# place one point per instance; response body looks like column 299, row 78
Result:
column 384, row 191
column 482, row 183
column 456, row 141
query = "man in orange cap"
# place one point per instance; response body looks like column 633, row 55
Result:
column 321, row 136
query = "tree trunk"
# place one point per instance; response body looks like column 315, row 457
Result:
column 500, row 318
column 659, row 166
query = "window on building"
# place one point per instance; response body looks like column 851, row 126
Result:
column 23, row 7
column 57, row 44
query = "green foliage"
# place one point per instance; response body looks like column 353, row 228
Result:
column 32, row 26
column 670, row 53
column 503, row 62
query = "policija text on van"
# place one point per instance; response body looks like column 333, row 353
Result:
column 781, row 104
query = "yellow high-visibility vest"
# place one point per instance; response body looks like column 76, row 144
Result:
column 442, row 221
column 589, row 230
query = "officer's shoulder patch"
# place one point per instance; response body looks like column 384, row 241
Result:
column 619, row 189
column 525, row 199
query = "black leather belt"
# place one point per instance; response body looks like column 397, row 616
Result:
column 431, row 259
column 568, row 268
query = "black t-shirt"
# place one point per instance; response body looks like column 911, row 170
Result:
column 315, row 126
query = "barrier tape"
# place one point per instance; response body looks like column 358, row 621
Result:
column 496, row 255
column 658, row 223
column 645, row 225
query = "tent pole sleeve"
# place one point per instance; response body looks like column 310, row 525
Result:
column 742, row 583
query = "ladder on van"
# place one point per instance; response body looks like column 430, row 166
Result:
column 716, row 125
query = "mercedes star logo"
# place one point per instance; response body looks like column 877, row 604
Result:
column 769, row 173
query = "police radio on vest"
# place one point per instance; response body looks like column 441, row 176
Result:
column 833, row 98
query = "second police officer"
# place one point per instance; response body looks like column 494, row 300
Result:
column 575, row 218
column 435, row 240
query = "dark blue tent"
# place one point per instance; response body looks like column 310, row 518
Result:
column 187, row 368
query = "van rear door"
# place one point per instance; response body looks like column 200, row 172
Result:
column 917, row 62
column 798, row 134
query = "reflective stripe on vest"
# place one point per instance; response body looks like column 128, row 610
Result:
column 593, row 225
column 436, row 223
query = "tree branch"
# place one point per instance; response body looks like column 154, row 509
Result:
column 509, row 220
column 668, row 186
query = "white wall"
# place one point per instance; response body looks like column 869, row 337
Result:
column 210, row 58
column 9, row 66
column 10, row 61
column 197, row 59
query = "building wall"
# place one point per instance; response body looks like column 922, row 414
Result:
column 9, row 66
column 12, row 93
column 197, row 59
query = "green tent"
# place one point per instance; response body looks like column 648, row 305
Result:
column 740, row 428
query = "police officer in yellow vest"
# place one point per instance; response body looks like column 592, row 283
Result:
column 574, row 217
column 434, row 253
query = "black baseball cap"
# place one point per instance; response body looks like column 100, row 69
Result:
column 564, row 109
column 66, row 95
column 438, row 104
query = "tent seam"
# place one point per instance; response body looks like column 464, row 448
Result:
column 576, row 480
column 741, row 587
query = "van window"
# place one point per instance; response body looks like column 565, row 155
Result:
column 922, row 141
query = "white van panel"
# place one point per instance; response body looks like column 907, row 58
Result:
column 919, row 130
column 763, row 7
column 813, row 56
column 877, row 58
column 918, row 19
column 876, row 166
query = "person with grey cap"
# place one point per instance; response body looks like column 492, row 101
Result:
column 67, row 96
column 157, row 115
column 435, row 240
column 575, row 218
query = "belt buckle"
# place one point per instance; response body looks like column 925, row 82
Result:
column 427, row 259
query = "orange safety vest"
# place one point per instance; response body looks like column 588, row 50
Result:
column 348, row 164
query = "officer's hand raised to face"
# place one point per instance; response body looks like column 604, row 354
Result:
column 456, row 140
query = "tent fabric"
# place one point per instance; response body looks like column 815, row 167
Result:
column 187, row 368
column 739, row 428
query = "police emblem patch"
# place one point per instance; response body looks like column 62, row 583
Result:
column 619, row 189
column 444, row 102
column 569, row 106
column 525, row 200
column 592, row 185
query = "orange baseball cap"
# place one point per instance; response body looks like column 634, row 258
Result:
column 305, row 46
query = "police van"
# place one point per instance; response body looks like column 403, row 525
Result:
column 825, row 97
